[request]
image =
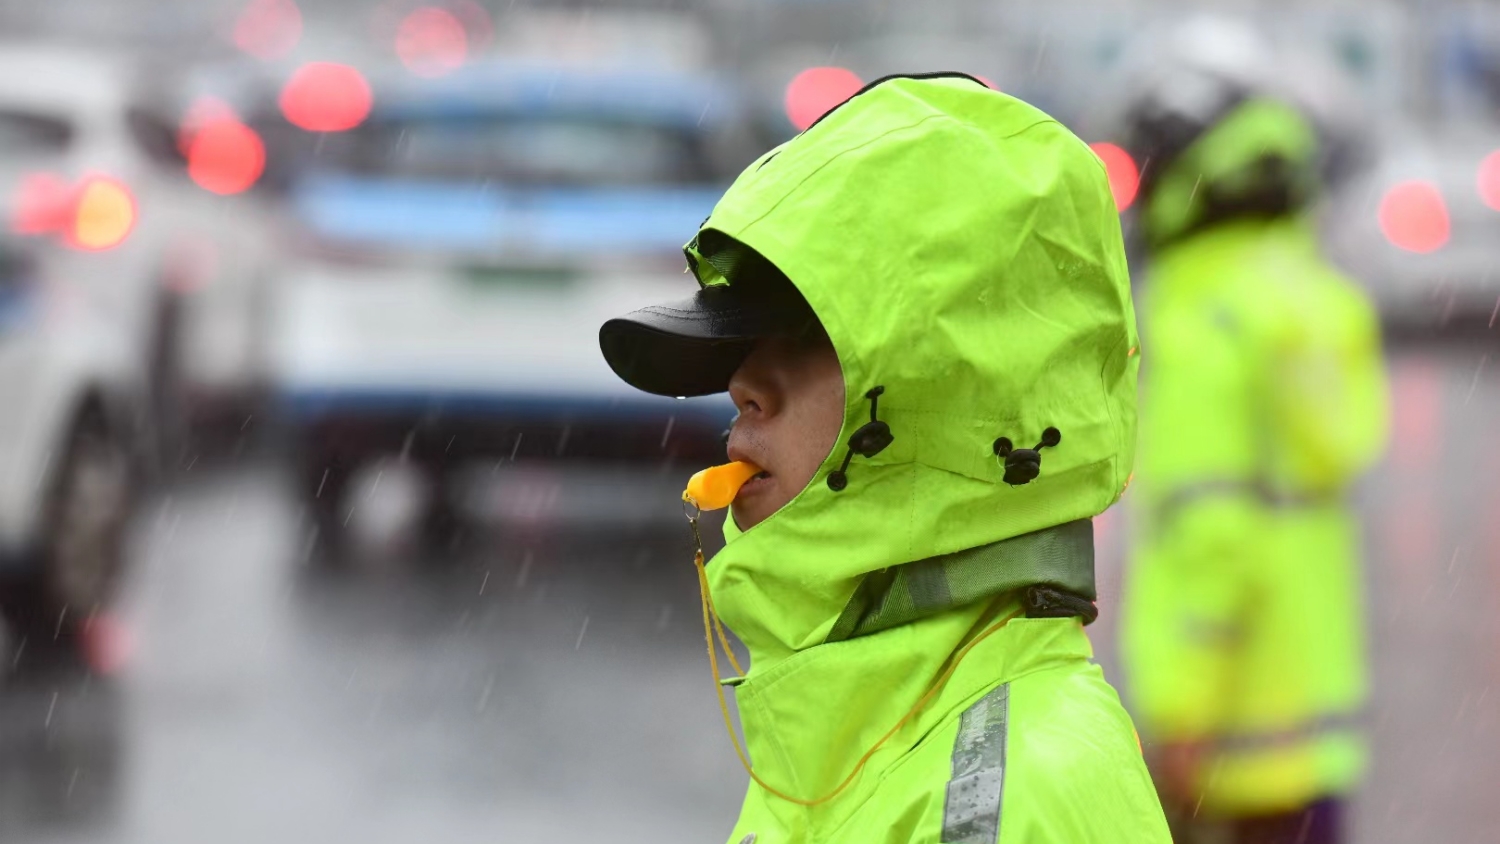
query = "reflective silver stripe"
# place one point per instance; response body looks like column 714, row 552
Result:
column 971, row 813
column 1226, row 488
column 1320, row 727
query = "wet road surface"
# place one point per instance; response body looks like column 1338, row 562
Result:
column 548, row 683
column 553, row 690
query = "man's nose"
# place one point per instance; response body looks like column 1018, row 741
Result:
column 752, row 397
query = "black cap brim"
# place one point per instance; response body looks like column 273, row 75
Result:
column 692, row 347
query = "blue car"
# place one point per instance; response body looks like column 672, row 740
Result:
column 451, row 259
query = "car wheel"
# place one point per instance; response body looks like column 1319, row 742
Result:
column 81, row 551
column 442, row 523
column 324, row 482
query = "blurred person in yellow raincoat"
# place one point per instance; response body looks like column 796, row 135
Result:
column 1263, row 401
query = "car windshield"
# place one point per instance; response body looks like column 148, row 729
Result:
column 25, row 133
column 540, row 150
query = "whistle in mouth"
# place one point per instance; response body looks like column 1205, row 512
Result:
column 714, row 488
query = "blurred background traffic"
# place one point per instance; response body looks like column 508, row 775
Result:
column 321, row 517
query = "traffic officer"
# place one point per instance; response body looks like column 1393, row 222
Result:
column 1263, row 401
column 921, row 309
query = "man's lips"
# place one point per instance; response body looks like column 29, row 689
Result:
column 757, row 482
column 740, row 455
column 754, row 485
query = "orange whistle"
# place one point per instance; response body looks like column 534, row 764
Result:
column 714, row 488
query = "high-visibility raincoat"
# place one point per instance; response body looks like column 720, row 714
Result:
column 1263, row 399
column 963, row 252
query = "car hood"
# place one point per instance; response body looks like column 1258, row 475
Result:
column 447, row 327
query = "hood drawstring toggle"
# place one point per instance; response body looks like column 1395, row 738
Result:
column 871, row 439
column 1022, row 465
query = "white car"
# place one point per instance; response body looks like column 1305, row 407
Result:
column 73, row 349
column 96, row 224
column 456, row 256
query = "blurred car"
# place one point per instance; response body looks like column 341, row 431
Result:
column 76, row 311
column 1421, row 228
column 455, row 255
column 110, row 230
column 186, row 271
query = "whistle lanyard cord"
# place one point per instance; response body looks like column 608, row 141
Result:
column 708, row 608
column 711, row 625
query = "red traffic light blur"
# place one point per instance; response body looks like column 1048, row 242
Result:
column 1488, row 180
column 432, row 42
column 1124, row 175
column 326, row 97
column 816, row 90
column 1413, row 216
column 268, row 29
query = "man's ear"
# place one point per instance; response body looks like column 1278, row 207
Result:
column 813, row 334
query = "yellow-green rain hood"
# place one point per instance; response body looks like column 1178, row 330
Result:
column 963, row 252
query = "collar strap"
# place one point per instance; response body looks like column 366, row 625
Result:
column 1060, row 558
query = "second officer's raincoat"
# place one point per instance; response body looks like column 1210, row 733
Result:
column 1264, row 399
column 963, row 252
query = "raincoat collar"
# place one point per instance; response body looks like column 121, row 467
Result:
column 1061, row 557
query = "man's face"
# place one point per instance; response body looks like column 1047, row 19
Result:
column 790, row 395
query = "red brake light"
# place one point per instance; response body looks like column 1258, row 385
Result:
column 1124, row 176
column 104, row 213
column 1414, row 217
column 816, row 90
column 326, row 97
column 225, row 156
column 43, row 204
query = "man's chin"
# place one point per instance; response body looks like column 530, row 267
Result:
column 749, row 511
column 756, row 501
column 745, row 517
